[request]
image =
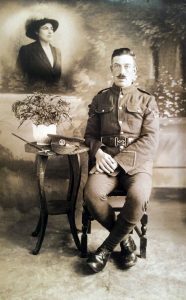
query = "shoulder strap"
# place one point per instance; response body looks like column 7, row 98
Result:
column 142, row 91
column 103, row 91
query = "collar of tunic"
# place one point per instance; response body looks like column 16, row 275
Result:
column 124, row 90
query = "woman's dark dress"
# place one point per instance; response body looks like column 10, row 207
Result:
column 35, row 66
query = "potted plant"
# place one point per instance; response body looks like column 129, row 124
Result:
column 45, row 111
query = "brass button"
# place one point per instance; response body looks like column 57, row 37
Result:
column 121, row 147
column 103, row 110
column 120, row 122
column 120, row 107
column 122, row 132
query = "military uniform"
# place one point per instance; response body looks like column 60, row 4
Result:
column 124, row 113
column 124, row 123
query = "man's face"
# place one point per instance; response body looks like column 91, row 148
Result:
column 123, row 70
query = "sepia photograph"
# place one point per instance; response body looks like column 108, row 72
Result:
column 92, row 149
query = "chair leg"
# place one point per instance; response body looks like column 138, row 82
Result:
column 86, row 228
column 143, row 238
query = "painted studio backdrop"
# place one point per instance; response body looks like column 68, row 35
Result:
column 88, row 33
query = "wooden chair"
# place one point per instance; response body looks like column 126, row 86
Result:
column 86, row 227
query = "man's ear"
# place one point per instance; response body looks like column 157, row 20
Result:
column 135, row 73
column 135, row 69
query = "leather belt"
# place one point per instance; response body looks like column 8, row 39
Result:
column 115, row 141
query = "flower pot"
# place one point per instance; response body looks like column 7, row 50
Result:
column 40, row 133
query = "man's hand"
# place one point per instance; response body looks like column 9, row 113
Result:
column 105, row 162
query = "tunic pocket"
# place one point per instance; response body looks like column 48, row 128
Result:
column 134, row 116
column 104, row 109
column 105, row 114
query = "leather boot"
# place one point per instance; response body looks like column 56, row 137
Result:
column 128, row 256
column 97, row 261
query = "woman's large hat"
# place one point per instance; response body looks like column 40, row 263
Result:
column 33, row 25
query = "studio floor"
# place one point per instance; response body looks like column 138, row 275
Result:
column 59, row 273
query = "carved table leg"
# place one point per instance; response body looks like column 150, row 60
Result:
column 143, row 238
column 42, row 223
column 74, row 183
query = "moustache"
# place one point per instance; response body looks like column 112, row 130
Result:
column 121, row 76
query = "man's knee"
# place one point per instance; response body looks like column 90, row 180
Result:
column 139, row 192
column 93, row 195
column 137, row 200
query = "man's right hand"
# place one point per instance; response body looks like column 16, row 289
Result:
column 105, row 162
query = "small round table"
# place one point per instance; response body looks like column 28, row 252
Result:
column 56, row 207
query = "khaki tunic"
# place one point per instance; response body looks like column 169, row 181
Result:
column 129, row 112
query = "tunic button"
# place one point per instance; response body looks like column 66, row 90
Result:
column 120, row 122
column 121, row 147
column 120, row 107
column 122, row 132
column 103, row 110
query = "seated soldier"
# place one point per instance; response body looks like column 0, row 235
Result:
column 122, row 133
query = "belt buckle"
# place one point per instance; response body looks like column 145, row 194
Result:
column 120, row 142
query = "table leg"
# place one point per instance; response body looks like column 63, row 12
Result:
column 38, row 227
column 74, row 183
column 42, row 223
